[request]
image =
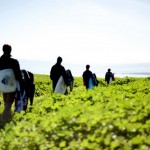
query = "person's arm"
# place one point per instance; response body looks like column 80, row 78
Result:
column 106, row 77
column 83, row 76
column 51, row 74
column 64, row 76
column 17, row 71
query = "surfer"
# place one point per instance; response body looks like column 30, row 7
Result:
column 29, row 86
column 87, row 74
column 109, row 76
column 6, row 62
column 70, row 79
column 56, row 71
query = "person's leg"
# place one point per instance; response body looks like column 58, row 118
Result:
column 31, row 93
column 8, row 101
column 66, row 92
column 71, row 86
column 54, row 85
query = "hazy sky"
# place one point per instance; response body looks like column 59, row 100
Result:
column 81, row 31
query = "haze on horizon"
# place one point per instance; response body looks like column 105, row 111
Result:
column 81, row 31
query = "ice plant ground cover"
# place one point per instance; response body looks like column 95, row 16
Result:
column 107, row 117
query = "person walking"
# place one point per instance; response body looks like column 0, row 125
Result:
column 87, row 74
column 29, row 86
column 70, row 79
column 56, row 71
column 109, row 76
column 6, row 62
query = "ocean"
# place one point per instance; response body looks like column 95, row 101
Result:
column 131, row 70
column 120, row 70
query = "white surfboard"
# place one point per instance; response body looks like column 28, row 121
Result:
column 60, row 86
column 110, row 80
column 91, row 85
column 8, row 82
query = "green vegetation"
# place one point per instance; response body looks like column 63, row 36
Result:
column 108, row 117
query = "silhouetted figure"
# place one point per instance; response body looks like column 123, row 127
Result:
column 94, row 79
column 70, row 79
column 56, row 71
column 109, row 76
column 6, row 62
column 29, row 87
column 87, row 74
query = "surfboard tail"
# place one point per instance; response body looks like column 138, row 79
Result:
column 61, row 86
column 91, row 85
column 8, row 82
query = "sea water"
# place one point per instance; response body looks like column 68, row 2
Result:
column 120, row 70
column 130, row 70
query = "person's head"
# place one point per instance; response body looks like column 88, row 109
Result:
column 87, row 67
column 109, row 69
column 59, row 60
column 7, row 49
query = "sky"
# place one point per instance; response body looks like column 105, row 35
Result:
column 82, row 32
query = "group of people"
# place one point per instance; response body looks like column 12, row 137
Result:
column 25, row 80
column 89, row 78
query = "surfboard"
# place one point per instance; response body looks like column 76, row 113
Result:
column 91, row 85
column 8, row 82
column 94, row 79
column 61, row 86
column 110, row 80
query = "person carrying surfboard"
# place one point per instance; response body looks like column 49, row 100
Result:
column 6, row 62
column 109, row 76
column 87, row 75
column 70, row 79
column 56, row 72
column 29, row 86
